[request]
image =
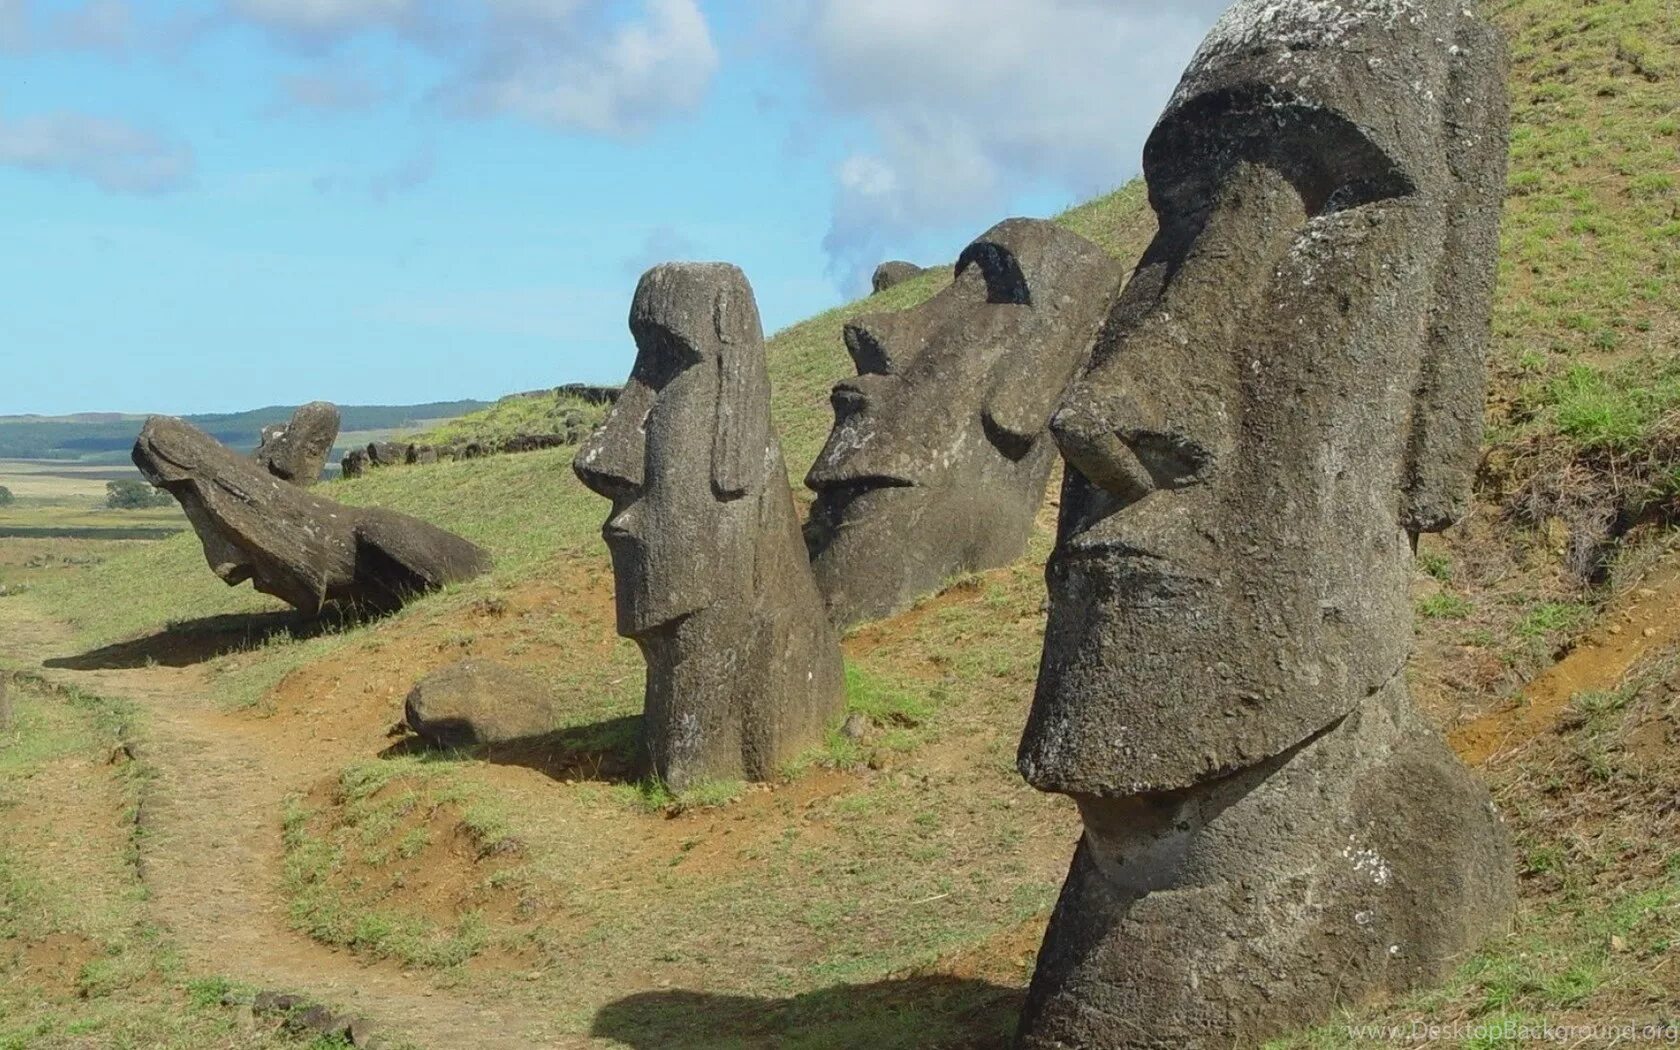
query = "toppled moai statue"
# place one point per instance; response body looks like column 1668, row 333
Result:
column 892, row 274
column 743, row 669
column 1289, row 391
column 299, row 548
column 940, row 452
column 297, row 452
column 387, row 454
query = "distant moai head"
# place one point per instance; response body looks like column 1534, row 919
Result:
column 939, row 455
column 1289, row 390
column 687, row 442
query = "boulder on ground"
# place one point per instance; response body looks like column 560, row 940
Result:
column 387, row 454
column 480, row 702
column 892, row 274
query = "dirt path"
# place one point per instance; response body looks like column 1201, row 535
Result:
column 211, row 853
column 1647, row 620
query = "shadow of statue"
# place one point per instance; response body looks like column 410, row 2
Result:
column 190, row 642
column 603, row 752
column 911, row 1013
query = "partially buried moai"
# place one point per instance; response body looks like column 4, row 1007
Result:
column 297, row 452
column 940, row 451
column 1290, row 389
column 743, row 669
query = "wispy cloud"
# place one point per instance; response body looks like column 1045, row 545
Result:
column 407, row 175
column 566, row 65
column 329, row 91
column 663, row 244
column 969, row 102
column 113, row 155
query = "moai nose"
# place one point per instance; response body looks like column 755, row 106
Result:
column 610, row 462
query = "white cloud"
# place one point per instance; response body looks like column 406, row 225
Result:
column 321, row 19
column 99, row 25
column 115, row 156
column 970, row 102
column 14, row 25
column 568, row 65
column 559, row 67
column 329, row 91
column 663, row 244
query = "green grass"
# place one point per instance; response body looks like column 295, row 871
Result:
column 546, row 413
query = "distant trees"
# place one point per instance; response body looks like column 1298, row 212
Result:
column 134, row 495
column 6, row 497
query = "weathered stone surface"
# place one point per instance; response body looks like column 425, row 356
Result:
column 940, row 453
column 892, row 274
column 295, row 546
column 1288, row 391
column 387, row 454
column 712, row 579
column 297, row 452
column 480, row 702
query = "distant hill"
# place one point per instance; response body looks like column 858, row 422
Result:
column 109, row 435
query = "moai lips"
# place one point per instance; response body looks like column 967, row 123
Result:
column 939, row 455
column 1288, row 391
column 711, row 575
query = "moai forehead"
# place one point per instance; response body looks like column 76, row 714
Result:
column 1348, row 97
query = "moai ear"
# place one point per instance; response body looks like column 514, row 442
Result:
column 742, row 437
column 1446, row 437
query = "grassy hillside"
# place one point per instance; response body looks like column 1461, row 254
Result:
column 913, row 866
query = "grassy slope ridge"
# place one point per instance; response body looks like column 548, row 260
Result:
column 74, row 437
column 1583, row 420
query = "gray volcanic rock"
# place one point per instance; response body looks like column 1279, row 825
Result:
column 480, row 702
column 387, row 454
column 1288, row 391
column 892, row 274
column 297, row 452
column 712, row 579
column 354, row 464
column 297, row 547
column 939, row 456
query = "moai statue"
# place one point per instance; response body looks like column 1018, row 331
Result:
column 1288, row 392
column 940, row 451
column 743, row 669
column 302, row 549
column 297, row 452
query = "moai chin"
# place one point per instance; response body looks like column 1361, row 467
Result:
column 940, row 451
column 743, row 669
column 1288, row 391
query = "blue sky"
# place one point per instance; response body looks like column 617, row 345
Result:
column 217, row 204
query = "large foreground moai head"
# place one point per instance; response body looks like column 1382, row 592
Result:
column 939, row 455
column 711, row 575
column 299, row 548
column 297, row 452
column 1289, row 389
